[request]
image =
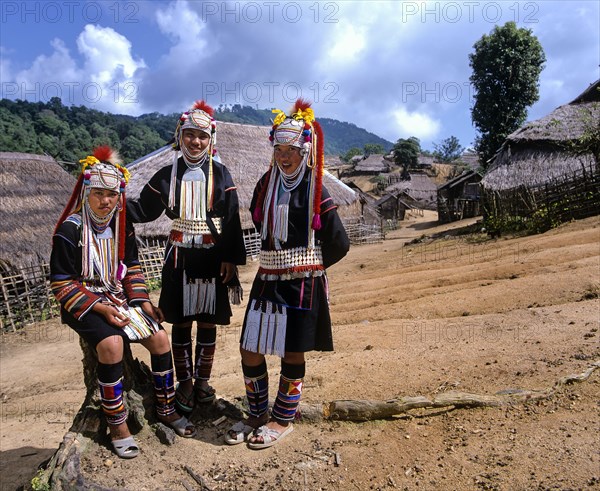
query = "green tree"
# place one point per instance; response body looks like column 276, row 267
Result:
column 448, row 150
column 506, row 67
column 406, row 153
column 351, row 153
column 373, row 148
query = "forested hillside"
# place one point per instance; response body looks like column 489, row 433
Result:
column 68, row 133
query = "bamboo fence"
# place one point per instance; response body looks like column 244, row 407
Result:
column 26, row 297
column 573, row 196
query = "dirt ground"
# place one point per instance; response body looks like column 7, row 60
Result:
column 457, row 313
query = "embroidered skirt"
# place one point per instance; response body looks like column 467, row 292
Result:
column 300, row 304
column 94, row 328
column 194, row 275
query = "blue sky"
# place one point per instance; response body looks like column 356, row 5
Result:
column 397, row 69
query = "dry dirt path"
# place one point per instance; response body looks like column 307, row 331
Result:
column 454, row 314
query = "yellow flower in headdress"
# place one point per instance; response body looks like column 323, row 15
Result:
column 279, row 118
column 308, row 115
column 89, row 161
column 124, row 171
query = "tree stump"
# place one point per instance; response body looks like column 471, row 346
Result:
column 63, row 471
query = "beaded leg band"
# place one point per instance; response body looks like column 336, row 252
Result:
column 182, row 352
column 205, row 353
column 289, row 393
column 110, row 383
column 256, row 380
column 164, row 385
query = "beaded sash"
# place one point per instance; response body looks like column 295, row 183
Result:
column 291, row 263
column 193, row 233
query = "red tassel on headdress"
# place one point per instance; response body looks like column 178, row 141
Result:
column 257, row 213
column 319, row 165
column 122, row 226
column 70, row 207
column 203, row 106
column 301, row 104
column 103, row 153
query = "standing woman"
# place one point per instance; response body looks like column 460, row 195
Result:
column 205, row 246
column 97, row 279
column 288, row 309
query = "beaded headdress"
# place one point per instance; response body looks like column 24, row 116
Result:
column 102, row 170
column 298, row 129
column 198, row 117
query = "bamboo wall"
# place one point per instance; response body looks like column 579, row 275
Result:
column 26, row 297
column 573, row 196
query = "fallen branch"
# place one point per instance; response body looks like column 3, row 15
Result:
column 367, row 410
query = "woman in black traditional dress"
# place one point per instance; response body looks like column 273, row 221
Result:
column 97, row 279
column 205, row 246
column 288, row 308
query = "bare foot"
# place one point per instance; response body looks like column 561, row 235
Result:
column 253, row 421
column 184, row 396
column 118, row 432
column 190, row 429
column 272, row 425
column 203, row 391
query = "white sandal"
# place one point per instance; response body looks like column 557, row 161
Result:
column 126, row 448
column 269, row 436
column 241, row 431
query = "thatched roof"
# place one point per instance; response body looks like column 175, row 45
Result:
column 374, row 163
column 246, row 151
column 466, row 175
column 419, row 186
column 425, row 160
column 471, row 159
column 535, row 154
column 34, row 190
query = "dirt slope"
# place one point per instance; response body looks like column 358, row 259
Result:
column 456, row 313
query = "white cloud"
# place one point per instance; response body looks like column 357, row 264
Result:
column 58, row 68
column 105, row 79
column 107, row 53
column 185, row 27
column 415, row 123
column 348, row 43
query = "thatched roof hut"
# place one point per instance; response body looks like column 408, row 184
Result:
column 459, row 197
column 373, row 164
column 34, row 190
column 537, row 153
column 420, row 187
column 246, row 151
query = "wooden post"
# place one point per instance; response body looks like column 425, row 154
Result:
column 7, row 302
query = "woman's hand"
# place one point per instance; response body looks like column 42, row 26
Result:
column 153, row 312
column 228, row 271
column 111, row 314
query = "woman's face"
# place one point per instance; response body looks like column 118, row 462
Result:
column 195, row 141
column 288, row 157
column 102, row 201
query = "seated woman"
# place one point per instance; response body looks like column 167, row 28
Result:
column 97, row 279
